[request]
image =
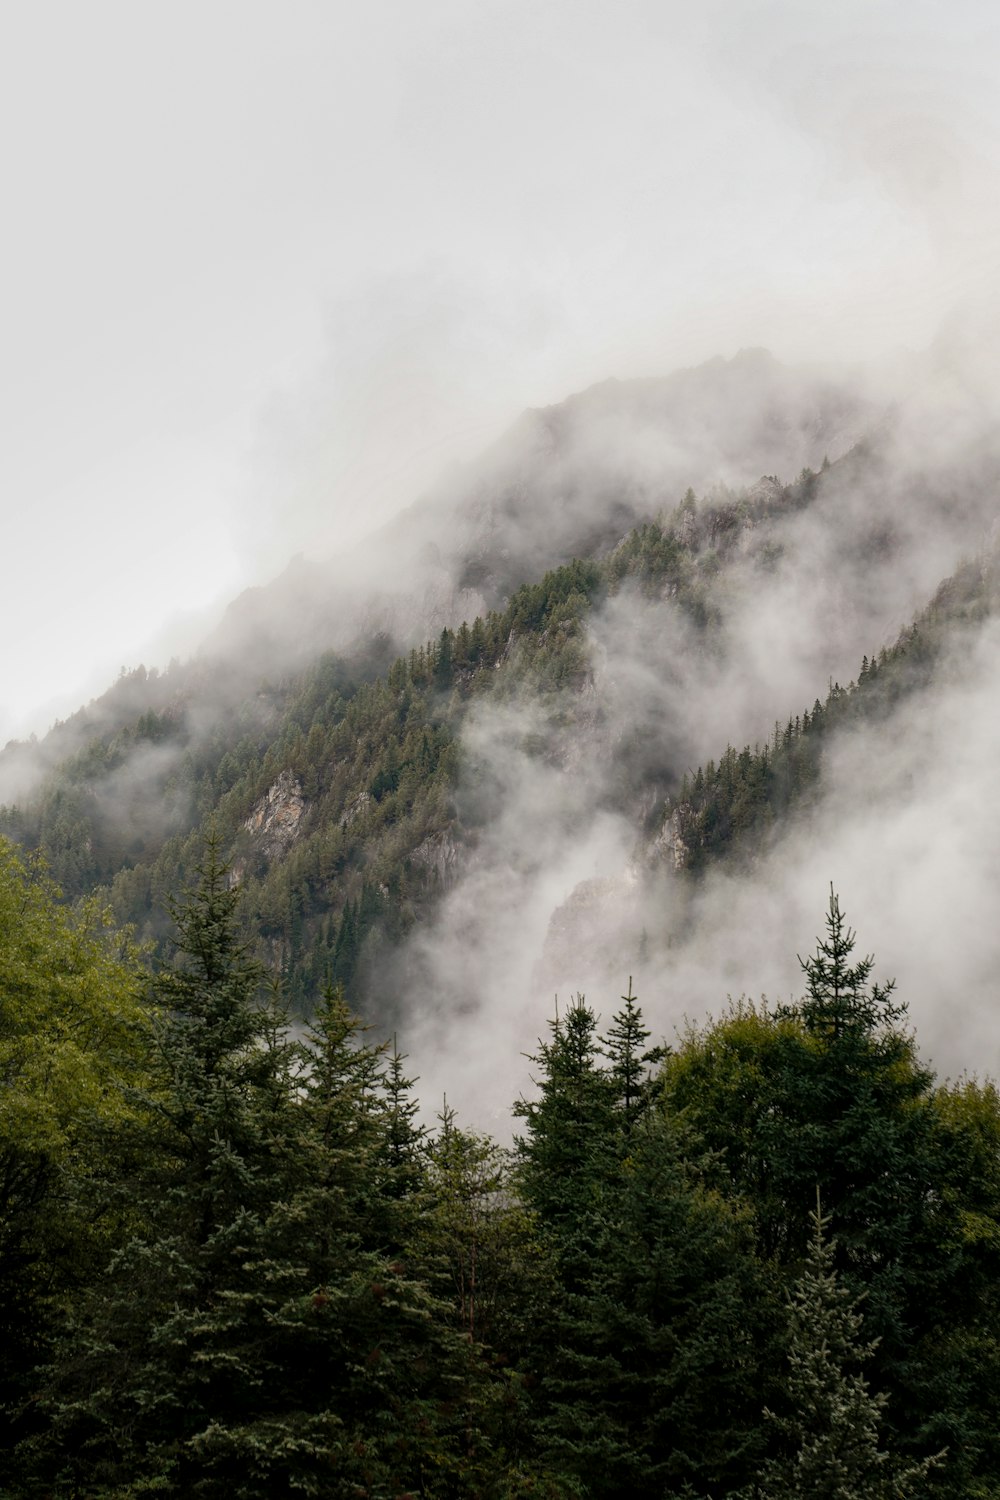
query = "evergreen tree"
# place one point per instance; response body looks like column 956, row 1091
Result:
column 831, row 1432
column 631, row 1061
column 487, row 1237
column 832, row 1093
column 253, row 1337
column 640, row 1358
column 570, row 1127
column 158, row 1353
column 839, row 999
column 650, row 1385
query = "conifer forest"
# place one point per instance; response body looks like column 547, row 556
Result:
column 238, row 1259
column 743, row 1251
column 499, row 726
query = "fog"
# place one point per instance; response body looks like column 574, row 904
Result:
column 295, row 301
column 267, row 272
column 905, row 829
column 907, row 833
column 568, row 893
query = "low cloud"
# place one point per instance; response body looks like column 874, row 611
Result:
column 558, row 899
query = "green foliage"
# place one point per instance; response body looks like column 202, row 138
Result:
column 831, row 1432
column 267, row 1328
column 233, row 1261
column 480, row 1227
column 643, row 1351
column 727, row 808
column 369, row 740
column 832, row 1093
column 570, row 1126
column 254, row 1272
column 631, row 1061
column 71, row 1043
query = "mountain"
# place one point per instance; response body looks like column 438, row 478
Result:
column 484, row 757
column 566, row 481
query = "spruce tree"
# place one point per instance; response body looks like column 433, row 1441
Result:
column 831, row 1430
column 631, row 1061
column 160, row 1352
column 640, row 1357
column 483, row 1232
column 570, row 1129
column 831, row 1092
column 257, row 1334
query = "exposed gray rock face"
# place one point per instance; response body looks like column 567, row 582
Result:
column 669, row 844
column 274, row 822
column 441, row 856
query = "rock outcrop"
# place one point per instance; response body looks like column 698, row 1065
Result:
column 669, row 843
column 274, row 822
column 441, row 856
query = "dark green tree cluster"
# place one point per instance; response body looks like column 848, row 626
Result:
column 235, row 1261
column 269, row 1322
column 653, row 1316
column 831, row 1095
column 730, row 806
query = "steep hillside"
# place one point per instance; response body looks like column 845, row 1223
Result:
column 566, row 481
column 356, row 795
column 513, row 804
column 729, row 808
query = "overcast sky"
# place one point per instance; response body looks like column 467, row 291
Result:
column 267, row 268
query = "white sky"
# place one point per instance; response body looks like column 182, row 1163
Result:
column 266, row 267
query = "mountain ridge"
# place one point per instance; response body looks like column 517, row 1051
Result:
column 379, row 802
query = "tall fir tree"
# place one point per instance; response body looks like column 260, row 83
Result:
column 642, row 1358
column 631, row 1061
column 253, row 1337
column 830, row 1434
column 157, row 1353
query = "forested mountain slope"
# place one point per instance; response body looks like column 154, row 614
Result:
column 403, row 815
column 743, row 1248
column 352, row 796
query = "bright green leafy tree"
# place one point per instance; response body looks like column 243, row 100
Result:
column 71, row 1038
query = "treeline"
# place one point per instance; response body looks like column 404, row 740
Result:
column 234, row 1262
column 728, row 807
column 369, row 742
column 371, row 739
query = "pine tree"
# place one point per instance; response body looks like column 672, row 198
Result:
column 253, row 1337
column 645, row 1384
column 832, row 1092
column 640, row 1355
column 839, row 998
column 481, row 1228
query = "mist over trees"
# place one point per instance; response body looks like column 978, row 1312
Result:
column 372, row 802
column 418, row 1072
column 745, row 1256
